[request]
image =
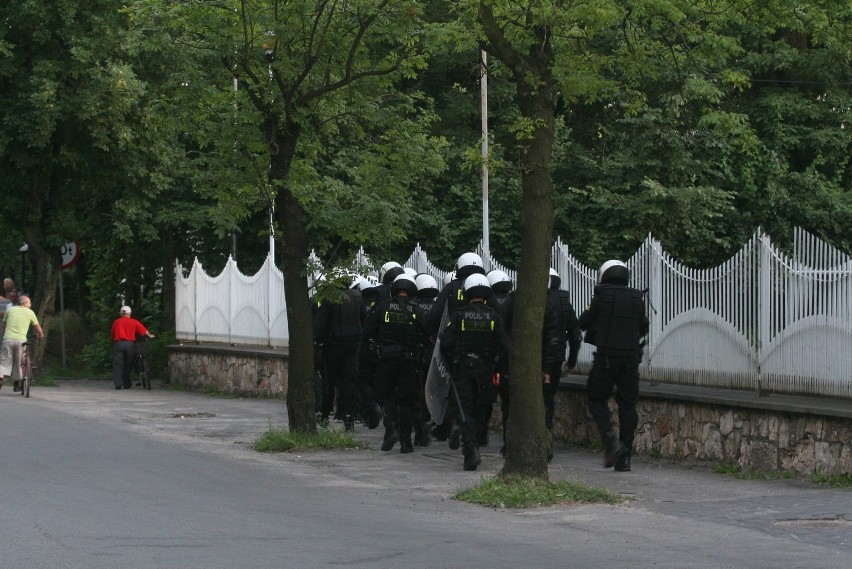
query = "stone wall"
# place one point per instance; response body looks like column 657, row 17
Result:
column 802, row 434
column 249, row 370
column 804, row 439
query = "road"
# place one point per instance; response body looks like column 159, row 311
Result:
column 98, row 478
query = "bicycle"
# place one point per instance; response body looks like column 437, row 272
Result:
column 27, row 376
column 142, row 363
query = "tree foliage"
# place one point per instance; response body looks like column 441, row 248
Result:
column 358, row 122
column 336, row 143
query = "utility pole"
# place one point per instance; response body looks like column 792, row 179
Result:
column 483, row 83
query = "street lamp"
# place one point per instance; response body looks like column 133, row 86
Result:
column 24, row 248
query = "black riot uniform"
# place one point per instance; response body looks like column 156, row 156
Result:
column 501, row 288
column 367, row 359
column 339, row 326
column 425, row 302
column 472, row 340
column 317, row 379
column 615, row 323
column 450, row 299
column 394, row 325
column 566, row 331
column 551, row 358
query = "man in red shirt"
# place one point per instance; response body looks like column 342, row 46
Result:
column 124, row 332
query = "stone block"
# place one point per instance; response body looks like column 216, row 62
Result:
column 713, row 446
column 726, row 422
column 759, row 455
column 825, row 457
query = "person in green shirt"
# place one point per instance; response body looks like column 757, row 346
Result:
column 16, row 324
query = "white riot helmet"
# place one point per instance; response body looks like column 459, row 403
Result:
column 410, row 272
column 389, row 272
column 406, row 283
column 367, row 282
column 499, row 281
column 614, row 272
column 469, row 264
column 555, row 279
column 476, row 285
column 449, row 277
column 426, row 285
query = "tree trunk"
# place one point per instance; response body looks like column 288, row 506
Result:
column 527, row 445
column 43, row 293
column 168, row 280
column 291, row 217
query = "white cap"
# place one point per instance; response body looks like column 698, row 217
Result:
column 125, row 310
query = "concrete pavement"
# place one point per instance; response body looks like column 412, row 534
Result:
column 778, row 516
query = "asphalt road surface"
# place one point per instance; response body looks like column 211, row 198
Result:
column 94, row 478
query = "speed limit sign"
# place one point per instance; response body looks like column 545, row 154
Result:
column 70, row 253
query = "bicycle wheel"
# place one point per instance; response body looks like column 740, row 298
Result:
column 26, row 380
column 143, row 374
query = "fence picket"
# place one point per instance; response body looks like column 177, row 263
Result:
column 760, row 320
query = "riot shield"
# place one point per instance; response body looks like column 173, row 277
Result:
column 438, row 379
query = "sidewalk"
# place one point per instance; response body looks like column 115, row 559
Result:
column 788, row 509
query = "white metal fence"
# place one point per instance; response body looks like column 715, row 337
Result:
column 763, row 320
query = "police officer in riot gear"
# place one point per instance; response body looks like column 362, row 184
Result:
column 367, row 359
column 567, row 332
column 394, row 323
column 450, row 298
column 501, row 288
column 427, row 291
column 472, row 340
column 615, row 323
column 338, row 329
column 552, row 356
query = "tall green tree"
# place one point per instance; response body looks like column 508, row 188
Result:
column 66, row 110
column 609, row 56
column 736, row 118
column 342, row 145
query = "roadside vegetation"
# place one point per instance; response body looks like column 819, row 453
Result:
column 836, row 481
column 524, row 492
column 280, row 439
column 737, row 471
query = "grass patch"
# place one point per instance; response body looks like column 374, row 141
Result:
column 595, row 444
column 729, row 468
column 735, row 470
column 834, row 481
column 524, row 492
column 280, row 439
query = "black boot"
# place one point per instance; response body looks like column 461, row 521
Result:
column 405, row 446
column 422, row 438
column 482, row 438
column 613, row 451
column 455, row 437
column 391, row 436
column 471, row 456
column 623, row 463
column 439, row 432
column 373, row 415
column 549, row 446
column 349, row 424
